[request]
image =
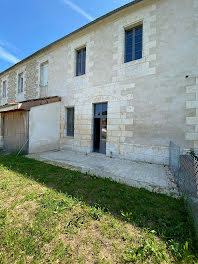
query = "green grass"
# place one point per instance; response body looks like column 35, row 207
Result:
column 50, row 214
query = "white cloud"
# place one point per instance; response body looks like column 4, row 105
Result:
column 9, row 46
column 78, row 10
column 5, row 55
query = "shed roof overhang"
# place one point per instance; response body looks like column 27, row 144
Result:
column 27, row 105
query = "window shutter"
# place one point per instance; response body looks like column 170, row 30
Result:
column 41, row 75
column 84, row 61
column 44, row 74
column 4, row 89
column 20, row 83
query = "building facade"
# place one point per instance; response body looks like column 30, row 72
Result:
column 128, row 82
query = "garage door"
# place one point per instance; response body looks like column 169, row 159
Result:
column 15, row 132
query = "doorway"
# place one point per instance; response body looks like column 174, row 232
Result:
column 100, row 128
column 15, row 130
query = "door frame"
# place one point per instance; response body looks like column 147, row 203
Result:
column 101, row 116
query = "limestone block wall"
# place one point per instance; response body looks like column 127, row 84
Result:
column 146, row 98
column 107, row 79
column 12, row 84
column 32, row 81
column 191, row 86
column 150, row 101
column 31, row 88
column 192, row 108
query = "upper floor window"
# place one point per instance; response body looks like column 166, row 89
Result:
column 20, row 83
column 133, row 43
column 80, row 61
column 70, row 121
column 4, row 89
column 44, row 74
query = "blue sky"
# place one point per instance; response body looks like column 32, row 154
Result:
column 28, row 25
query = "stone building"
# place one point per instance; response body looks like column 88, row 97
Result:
column 127, row 84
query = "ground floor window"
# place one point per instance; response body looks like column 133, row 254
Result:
column 70, row 121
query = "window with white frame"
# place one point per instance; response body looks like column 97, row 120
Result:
column 4, row 93
column 20, row 83
column 44, row 74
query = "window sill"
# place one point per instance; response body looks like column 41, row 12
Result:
column 41, row 85
column 4, row 100
column 20, row 96
column 82, row 75
column 134, row 62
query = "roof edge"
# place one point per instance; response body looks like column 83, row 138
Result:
column 28, row 104
column 73, row 32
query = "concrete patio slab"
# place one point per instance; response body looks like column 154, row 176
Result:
column 152, row 177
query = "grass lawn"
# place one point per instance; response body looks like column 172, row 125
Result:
column 53, row 215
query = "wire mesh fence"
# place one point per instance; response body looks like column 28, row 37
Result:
column 185, row 170
column 187, row 177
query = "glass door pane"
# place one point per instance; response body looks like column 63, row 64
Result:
column 104, row 109
column 97, row 109
column 104, row 129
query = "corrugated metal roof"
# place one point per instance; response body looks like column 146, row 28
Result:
column 74, row 32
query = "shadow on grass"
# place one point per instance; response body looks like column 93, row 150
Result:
column 166, row 215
